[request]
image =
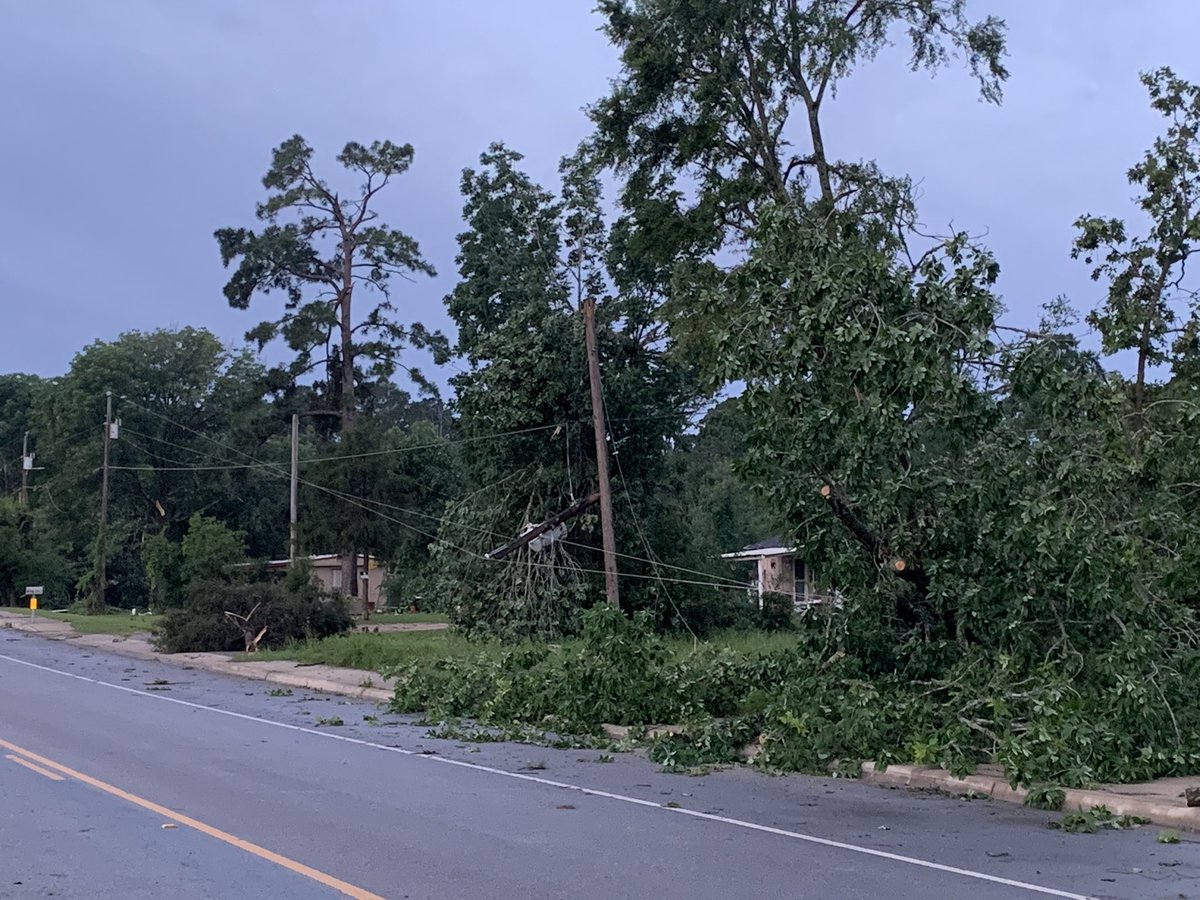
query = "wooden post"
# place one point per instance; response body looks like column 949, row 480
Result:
column 25, row 470
column 102, row 537
column 292, row 513
column 606, row 511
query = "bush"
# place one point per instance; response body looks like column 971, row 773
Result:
column 290, row 614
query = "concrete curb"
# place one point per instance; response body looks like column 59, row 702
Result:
column 1160, row 812
column 215, row 663
column 252, row 671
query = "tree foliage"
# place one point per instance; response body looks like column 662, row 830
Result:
column 192, row 414
column 210, row 550
column 1150, row 307
column 526, row 260
column 318, row 248
column 18, row 395
column 700, row 121
column 380, row 491
column 291, row 611
column 29, row 556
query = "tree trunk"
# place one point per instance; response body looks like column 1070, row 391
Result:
column 347, row 361
column 1139, row 386
column 1151, row 313
column 819, row 158
column 349, row 576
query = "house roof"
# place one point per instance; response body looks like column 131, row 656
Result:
column 316, row 558
column 772, row 546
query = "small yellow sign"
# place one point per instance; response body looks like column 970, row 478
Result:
column 33, row 602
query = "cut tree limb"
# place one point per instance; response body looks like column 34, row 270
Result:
column 879, row 548
column 247, row 630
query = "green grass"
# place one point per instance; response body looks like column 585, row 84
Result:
column 377, row 652
column 109, row 623
column 402, row 618
column 742, row 642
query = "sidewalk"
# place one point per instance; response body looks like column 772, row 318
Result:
column 1159, row 801
column 357, row 683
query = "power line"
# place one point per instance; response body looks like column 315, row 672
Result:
column 714, row 579
column 638, row 525
column 443, row 443
column 472, row 554
column 279, row 471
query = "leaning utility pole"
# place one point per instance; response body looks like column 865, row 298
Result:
column 26, row 465
column 102, row 537
column 606, row 511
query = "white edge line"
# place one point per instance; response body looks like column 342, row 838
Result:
column 591, row 792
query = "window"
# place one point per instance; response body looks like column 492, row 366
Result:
column 336, row 579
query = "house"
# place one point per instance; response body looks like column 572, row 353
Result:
column 779, row 570
column 327, row 573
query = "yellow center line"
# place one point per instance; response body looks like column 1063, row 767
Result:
column 291, row 865
column 53, row 776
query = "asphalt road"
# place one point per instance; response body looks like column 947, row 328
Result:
column 122, row 779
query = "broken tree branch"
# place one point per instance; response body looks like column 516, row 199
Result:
column 557, row 519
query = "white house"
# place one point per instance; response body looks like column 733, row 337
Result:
column 780, row 570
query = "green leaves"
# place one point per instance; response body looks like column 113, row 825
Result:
column 526, row 259
column 709, row 92
column 316, row 248
column 184, row 401
column 1148, row 297
column 210, row 550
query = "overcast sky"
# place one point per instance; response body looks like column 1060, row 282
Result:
column 131, row 129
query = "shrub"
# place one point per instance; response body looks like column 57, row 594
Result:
column 289, row 614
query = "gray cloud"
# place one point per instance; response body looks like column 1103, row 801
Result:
column 130, row 129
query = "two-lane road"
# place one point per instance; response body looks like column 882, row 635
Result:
column 115, row 784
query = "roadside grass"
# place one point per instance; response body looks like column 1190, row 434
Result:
column 379, row 652
column 116, row 623
column 375, row 652
column 403, row 618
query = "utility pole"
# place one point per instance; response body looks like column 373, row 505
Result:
column 606, row 511
column 102, row 537
column 26, row 465
column 293, row 539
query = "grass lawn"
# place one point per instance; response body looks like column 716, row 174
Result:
column 400, row 618
column 109, row 623
column 377, row 652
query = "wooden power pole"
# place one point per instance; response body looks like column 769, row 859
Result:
column 293, row 537
column 606, row 510
column 26, row 464
column 102, row 538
